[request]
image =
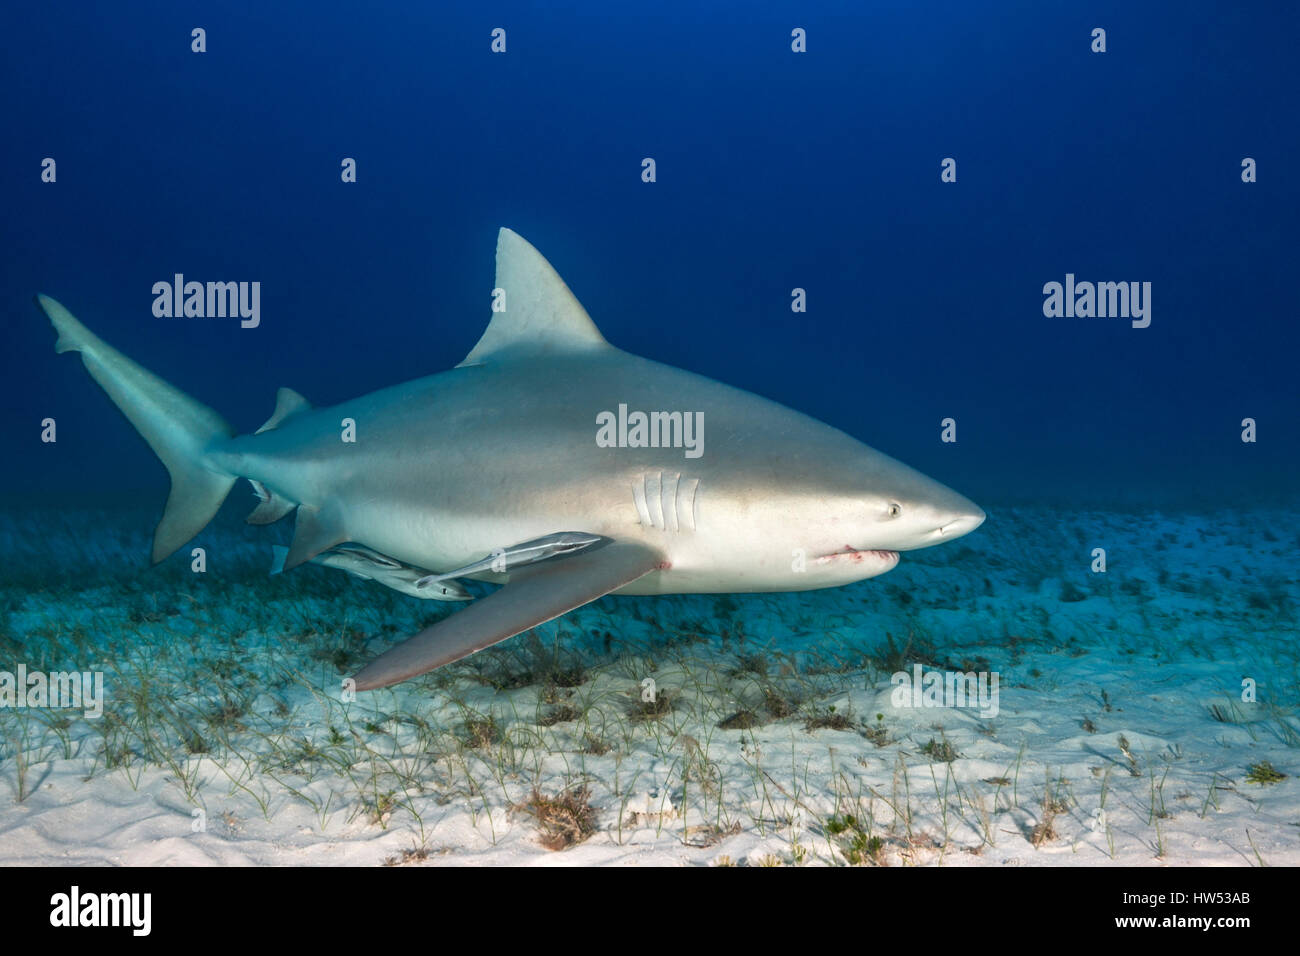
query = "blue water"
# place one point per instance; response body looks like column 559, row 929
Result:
column 775, row 170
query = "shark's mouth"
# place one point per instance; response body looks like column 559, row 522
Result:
column 854, row 556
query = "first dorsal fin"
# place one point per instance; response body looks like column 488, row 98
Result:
column 287, row 404
column 541, row 315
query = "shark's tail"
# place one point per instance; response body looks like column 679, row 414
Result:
column 177, row 428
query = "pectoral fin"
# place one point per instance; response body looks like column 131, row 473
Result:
column 534, row 594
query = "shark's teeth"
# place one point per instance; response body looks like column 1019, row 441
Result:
column 853, row 556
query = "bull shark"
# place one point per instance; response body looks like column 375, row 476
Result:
column 511, row 448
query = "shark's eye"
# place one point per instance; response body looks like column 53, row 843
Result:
column 895, row 509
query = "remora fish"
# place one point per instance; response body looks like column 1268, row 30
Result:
column 503, row 448
column 372, row 566
column 507, row 559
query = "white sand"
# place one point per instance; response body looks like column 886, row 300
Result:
column 1104, row 701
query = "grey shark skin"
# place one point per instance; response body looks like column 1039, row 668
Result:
column 502, row 449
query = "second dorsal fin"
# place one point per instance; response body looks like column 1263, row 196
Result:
column 287, row 404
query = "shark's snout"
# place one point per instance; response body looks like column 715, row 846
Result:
column 944, row 516
column 963, row 523
column 956, row 515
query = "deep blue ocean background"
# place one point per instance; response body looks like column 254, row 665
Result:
column 775, row 170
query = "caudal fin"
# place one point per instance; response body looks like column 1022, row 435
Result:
column 177, row 428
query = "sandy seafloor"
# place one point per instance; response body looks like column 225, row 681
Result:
column 1122, row 736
